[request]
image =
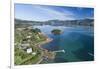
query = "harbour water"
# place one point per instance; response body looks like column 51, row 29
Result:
column 76, row 42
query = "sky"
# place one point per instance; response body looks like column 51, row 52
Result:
column 47, row 12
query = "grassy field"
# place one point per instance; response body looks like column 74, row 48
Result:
column 21, row 57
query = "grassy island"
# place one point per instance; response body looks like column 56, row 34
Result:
column 56, row 31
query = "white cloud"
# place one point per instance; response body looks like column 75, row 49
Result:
column 50, row 13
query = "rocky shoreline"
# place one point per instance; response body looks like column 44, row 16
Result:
column 46, row 55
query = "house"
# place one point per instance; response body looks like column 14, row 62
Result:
column 29, row 50
column 20, row 29
column 28, row 37
column 34, row 53
column 25, row 45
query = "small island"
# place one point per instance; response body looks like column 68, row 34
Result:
column 56, row 31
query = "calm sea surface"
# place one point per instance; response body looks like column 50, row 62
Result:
column 77, row 42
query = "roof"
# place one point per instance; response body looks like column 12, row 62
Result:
column 29, row 50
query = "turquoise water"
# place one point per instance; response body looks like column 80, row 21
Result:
column 77, row 42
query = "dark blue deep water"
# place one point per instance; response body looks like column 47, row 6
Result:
column 77, row 42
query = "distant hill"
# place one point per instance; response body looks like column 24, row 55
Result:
column 82, row 22
column 85, row 22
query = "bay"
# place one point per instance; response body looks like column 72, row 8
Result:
column 77, row 42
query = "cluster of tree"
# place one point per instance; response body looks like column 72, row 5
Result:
column 56, row 31
column 36, row 30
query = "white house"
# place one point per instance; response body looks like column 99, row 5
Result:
column 34, row 53
column 29, row 50
column 28, row 37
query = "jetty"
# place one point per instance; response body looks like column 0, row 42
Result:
column 60, row 51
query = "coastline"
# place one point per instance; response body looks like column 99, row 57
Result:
column 46, row 55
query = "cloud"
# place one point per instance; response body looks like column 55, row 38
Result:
column 44, row 13
column 47, row 13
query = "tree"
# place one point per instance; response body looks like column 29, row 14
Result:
column 36, row 30
column 56, row 31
